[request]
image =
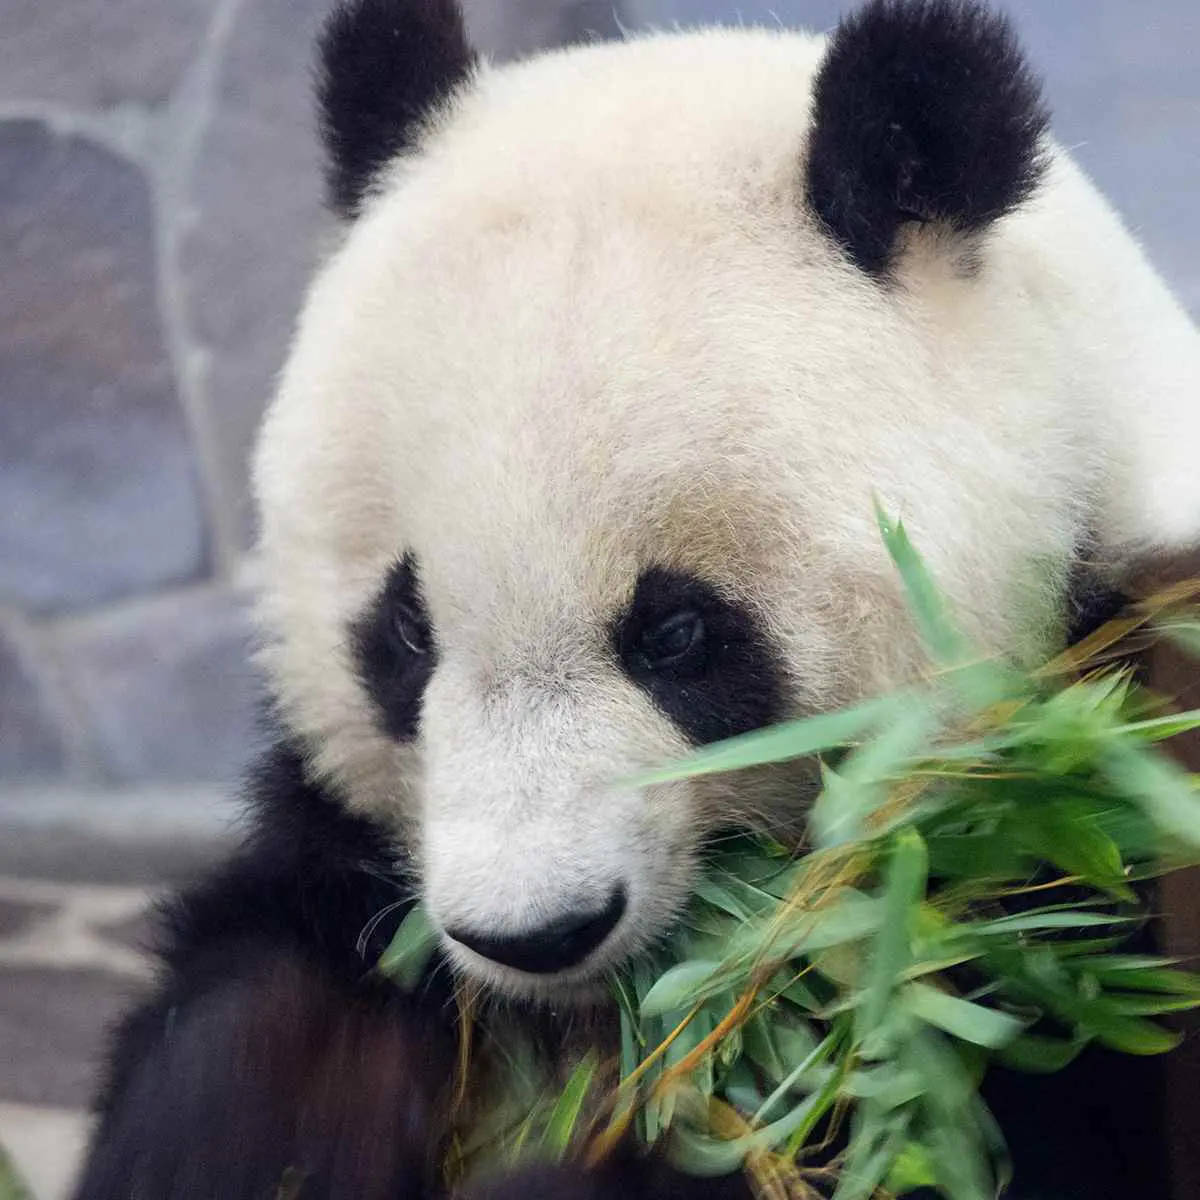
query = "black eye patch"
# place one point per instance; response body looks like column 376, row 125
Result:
column 394, row 650
column 700, row 656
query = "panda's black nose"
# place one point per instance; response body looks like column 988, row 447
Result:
column 553, row 947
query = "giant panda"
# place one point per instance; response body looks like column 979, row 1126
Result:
column 571, row 470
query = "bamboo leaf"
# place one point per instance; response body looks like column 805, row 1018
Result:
column 1164, row 790
column 971, row 1022
column 1037, row 1054
column 852, row 793
column 903, row 890
column 1185, row 634
column 12, row 1187
column 1035, row 922
column 410, row 949
column 779, row 743
column 565, row 1114
column 678, row 988
column 924, row 600
column 913, row 1169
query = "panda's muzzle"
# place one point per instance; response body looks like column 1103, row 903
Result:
column 562, row 943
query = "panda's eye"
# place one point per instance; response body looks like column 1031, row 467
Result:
column 669, row 641
column 395, row 649
column 699, row 654
column 411, row 629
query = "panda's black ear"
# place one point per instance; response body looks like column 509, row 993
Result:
column 924, row 110
column 383, row 66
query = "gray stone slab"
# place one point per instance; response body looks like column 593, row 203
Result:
column 140, row 933
column 67, row 854
column 17, row 916
column 97, row 53
column 1124, row 86
column 53, row 1030
column 154, row 834
column 256, row 221
column 504, row 29
column 31, row 745
column 167, row 689
column 98, row 492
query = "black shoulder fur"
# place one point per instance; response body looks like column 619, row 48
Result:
column 384, row 65
column 270, row 1062
column 924, row 110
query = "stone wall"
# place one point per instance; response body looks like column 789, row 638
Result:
column 159, row 213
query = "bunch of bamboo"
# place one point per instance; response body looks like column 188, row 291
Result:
column 823, row 1020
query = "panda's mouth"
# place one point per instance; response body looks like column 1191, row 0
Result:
column 566, row 959
column 552, row 948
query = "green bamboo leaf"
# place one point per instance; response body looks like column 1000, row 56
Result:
column 1104, row 964
column 565, row 1114
column 887, row 1086
column 714, row 891
column 875, row 1144
column 970, row 1022
column 1064, row 832
column 779, row 743
column 805, row 1065
column 858, row 787
column 1032, row 922
column 1165, row 791
column 853, row 917
column 924, row 600
column 1041, row 1055
column 1155, row 729
column 700, row 1154
column 978, row 856
column 1150, row 1004
column 913, row 1169
column 410, row 949
column 1130, row 1034
column 954, row 1123
column 1184, row 634
column 678, row 988
column 904, row 889
column 12, row 1187
column 1182, row 984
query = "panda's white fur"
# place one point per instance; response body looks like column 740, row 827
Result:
column 590, row 323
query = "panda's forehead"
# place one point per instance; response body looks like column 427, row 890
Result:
column 672, row 125
column 539, row 412
column 561, row 347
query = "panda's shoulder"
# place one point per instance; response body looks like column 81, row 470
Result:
column 308, row 877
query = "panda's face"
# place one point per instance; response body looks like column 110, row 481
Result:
column 535, row 520
column 572, row 465
column 571, row 471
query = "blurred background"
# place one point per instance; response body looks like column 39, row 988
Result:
column 160, row 210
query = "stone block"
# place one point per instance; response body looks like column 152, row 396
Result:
column 98, row 53
column 66, row 853
column 1124, row 92
column 256, row 219
column 167, row 690
column 504, row 29
column 31, row 744
column 53, row 1032
column 19, row 916
column 98, row 487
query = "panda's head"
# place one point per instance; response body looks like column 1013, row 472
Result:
column 572, row 465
